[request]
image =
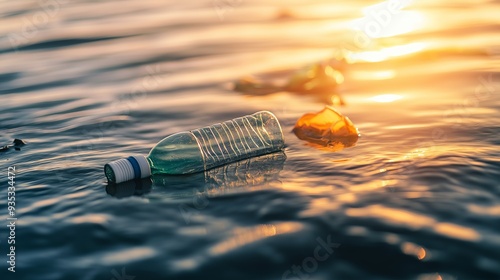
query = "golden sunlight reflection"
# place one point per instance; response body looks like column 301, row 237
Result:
column 386, row 98
column 244, row 236
column 91, row 218
column 415, row 221
column 374, row 75
column 414, row 250
column 406, row 22
column 433, row 276
column 394, row 216
column 369, row 186
column 414, row 154
column 387, row 19
column 456, row 231
column 386, row 53
column 485, row 210
column 128, row 255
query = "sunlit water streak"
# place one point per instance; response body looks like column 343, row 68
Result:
column 416, row 198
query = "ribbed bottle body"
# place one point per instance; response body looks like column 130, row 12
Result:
column 218, row 144
column 240, row 138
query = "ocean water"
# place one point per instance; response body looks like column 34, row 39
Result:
column 86, row 82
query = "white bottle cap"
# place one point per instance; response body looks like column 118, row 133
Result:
column 122, row 170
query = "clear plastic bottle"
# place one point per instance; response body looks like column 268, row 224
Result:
column 202, row 149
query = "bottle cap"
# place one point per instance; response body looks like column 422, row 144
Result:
column 122, row 170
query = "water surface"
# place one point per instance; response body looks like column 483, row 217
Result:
column 85, row 82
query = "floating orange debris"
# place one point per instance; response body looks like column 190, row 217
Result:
column 319, row 79
column 327, row 128
column 253, row 86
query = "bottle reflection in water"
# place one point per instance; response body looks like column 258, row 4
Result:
column 137, row 187
column 247, row 173
column 238, row 176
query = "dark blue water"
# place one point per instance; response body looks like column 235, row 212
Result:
column 86, row 82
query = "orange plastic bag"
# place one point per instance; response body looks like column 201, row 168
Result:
column 327, row 128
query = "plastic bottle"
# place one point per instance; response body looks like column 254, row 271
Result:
column 202, row 149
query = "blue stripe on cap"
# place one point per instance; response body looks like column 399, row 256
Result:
column 135, row 165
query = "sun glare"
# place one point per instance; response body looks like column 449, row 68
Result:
column 386, row 53
column 386, row 98
column 387, row 19
column 382, row 27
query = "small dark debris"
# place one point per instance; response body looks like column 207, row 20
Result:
column 16, row 144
